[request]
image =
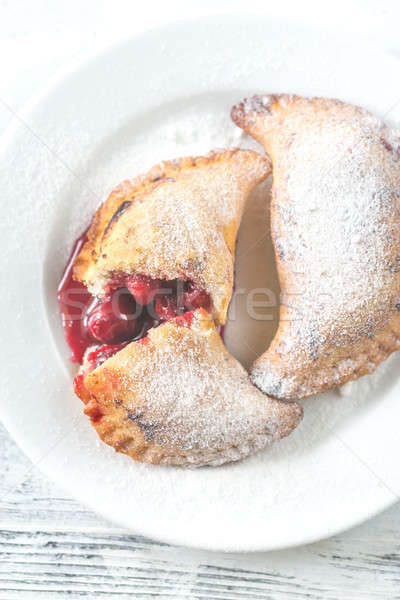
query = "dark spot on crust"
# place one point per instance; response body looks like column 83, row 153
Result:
column 159, row 180
column 275, row 389
column 192, row 265
column 148, row 429
column 279, row 250
column 162, row 179
column 290, row 141
column 242, row 112
column 262, row 103
column 395, row 267
column 314, row 343
column 94, row 412
column 258, row 104
column 120, row 210
column 134, row 416
column 386, row 145
column 397, row 306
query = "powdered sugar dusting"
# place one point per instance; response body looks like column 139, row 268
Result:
column 184, row 226
column 336, row 231
column 192, row 398
column 337, row 228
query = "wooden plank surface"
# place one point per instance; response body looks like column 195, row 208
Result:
column 53, row 547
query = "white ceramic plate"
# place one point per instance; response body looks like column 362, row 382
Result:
column 164, row 94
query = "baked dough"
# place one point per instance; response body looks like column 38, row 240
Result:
column 178, row 397
column 335, row 218
column 178, row 221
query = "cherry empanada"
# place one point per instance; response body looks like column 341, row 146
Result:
column 177, row 397
column 335, row 218
column 177, row 223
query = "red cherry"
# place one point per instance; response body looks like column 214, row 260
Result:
column 74, row 300
column 94, row 411
column 185, row 320
column 142, row 288
column 112, row 320
column 79, row 387
column 100, row 355
column 166, row 307
column 195, row 297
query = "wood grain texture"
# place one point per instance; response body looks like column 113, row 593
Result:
column 52, row 547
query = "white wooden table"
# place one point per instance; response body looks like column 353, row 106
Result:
column 51, row 546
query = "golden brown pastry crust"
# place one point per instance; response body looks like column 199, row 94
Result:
column 178, row 221
column 336, row 230
column 179, row 398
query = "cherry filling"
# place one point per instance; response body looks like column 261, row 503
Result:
column 113, row 320
column 132, row 305
column 142, row 288
column 194, row 297
column 101, row 354
column 74, row 299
